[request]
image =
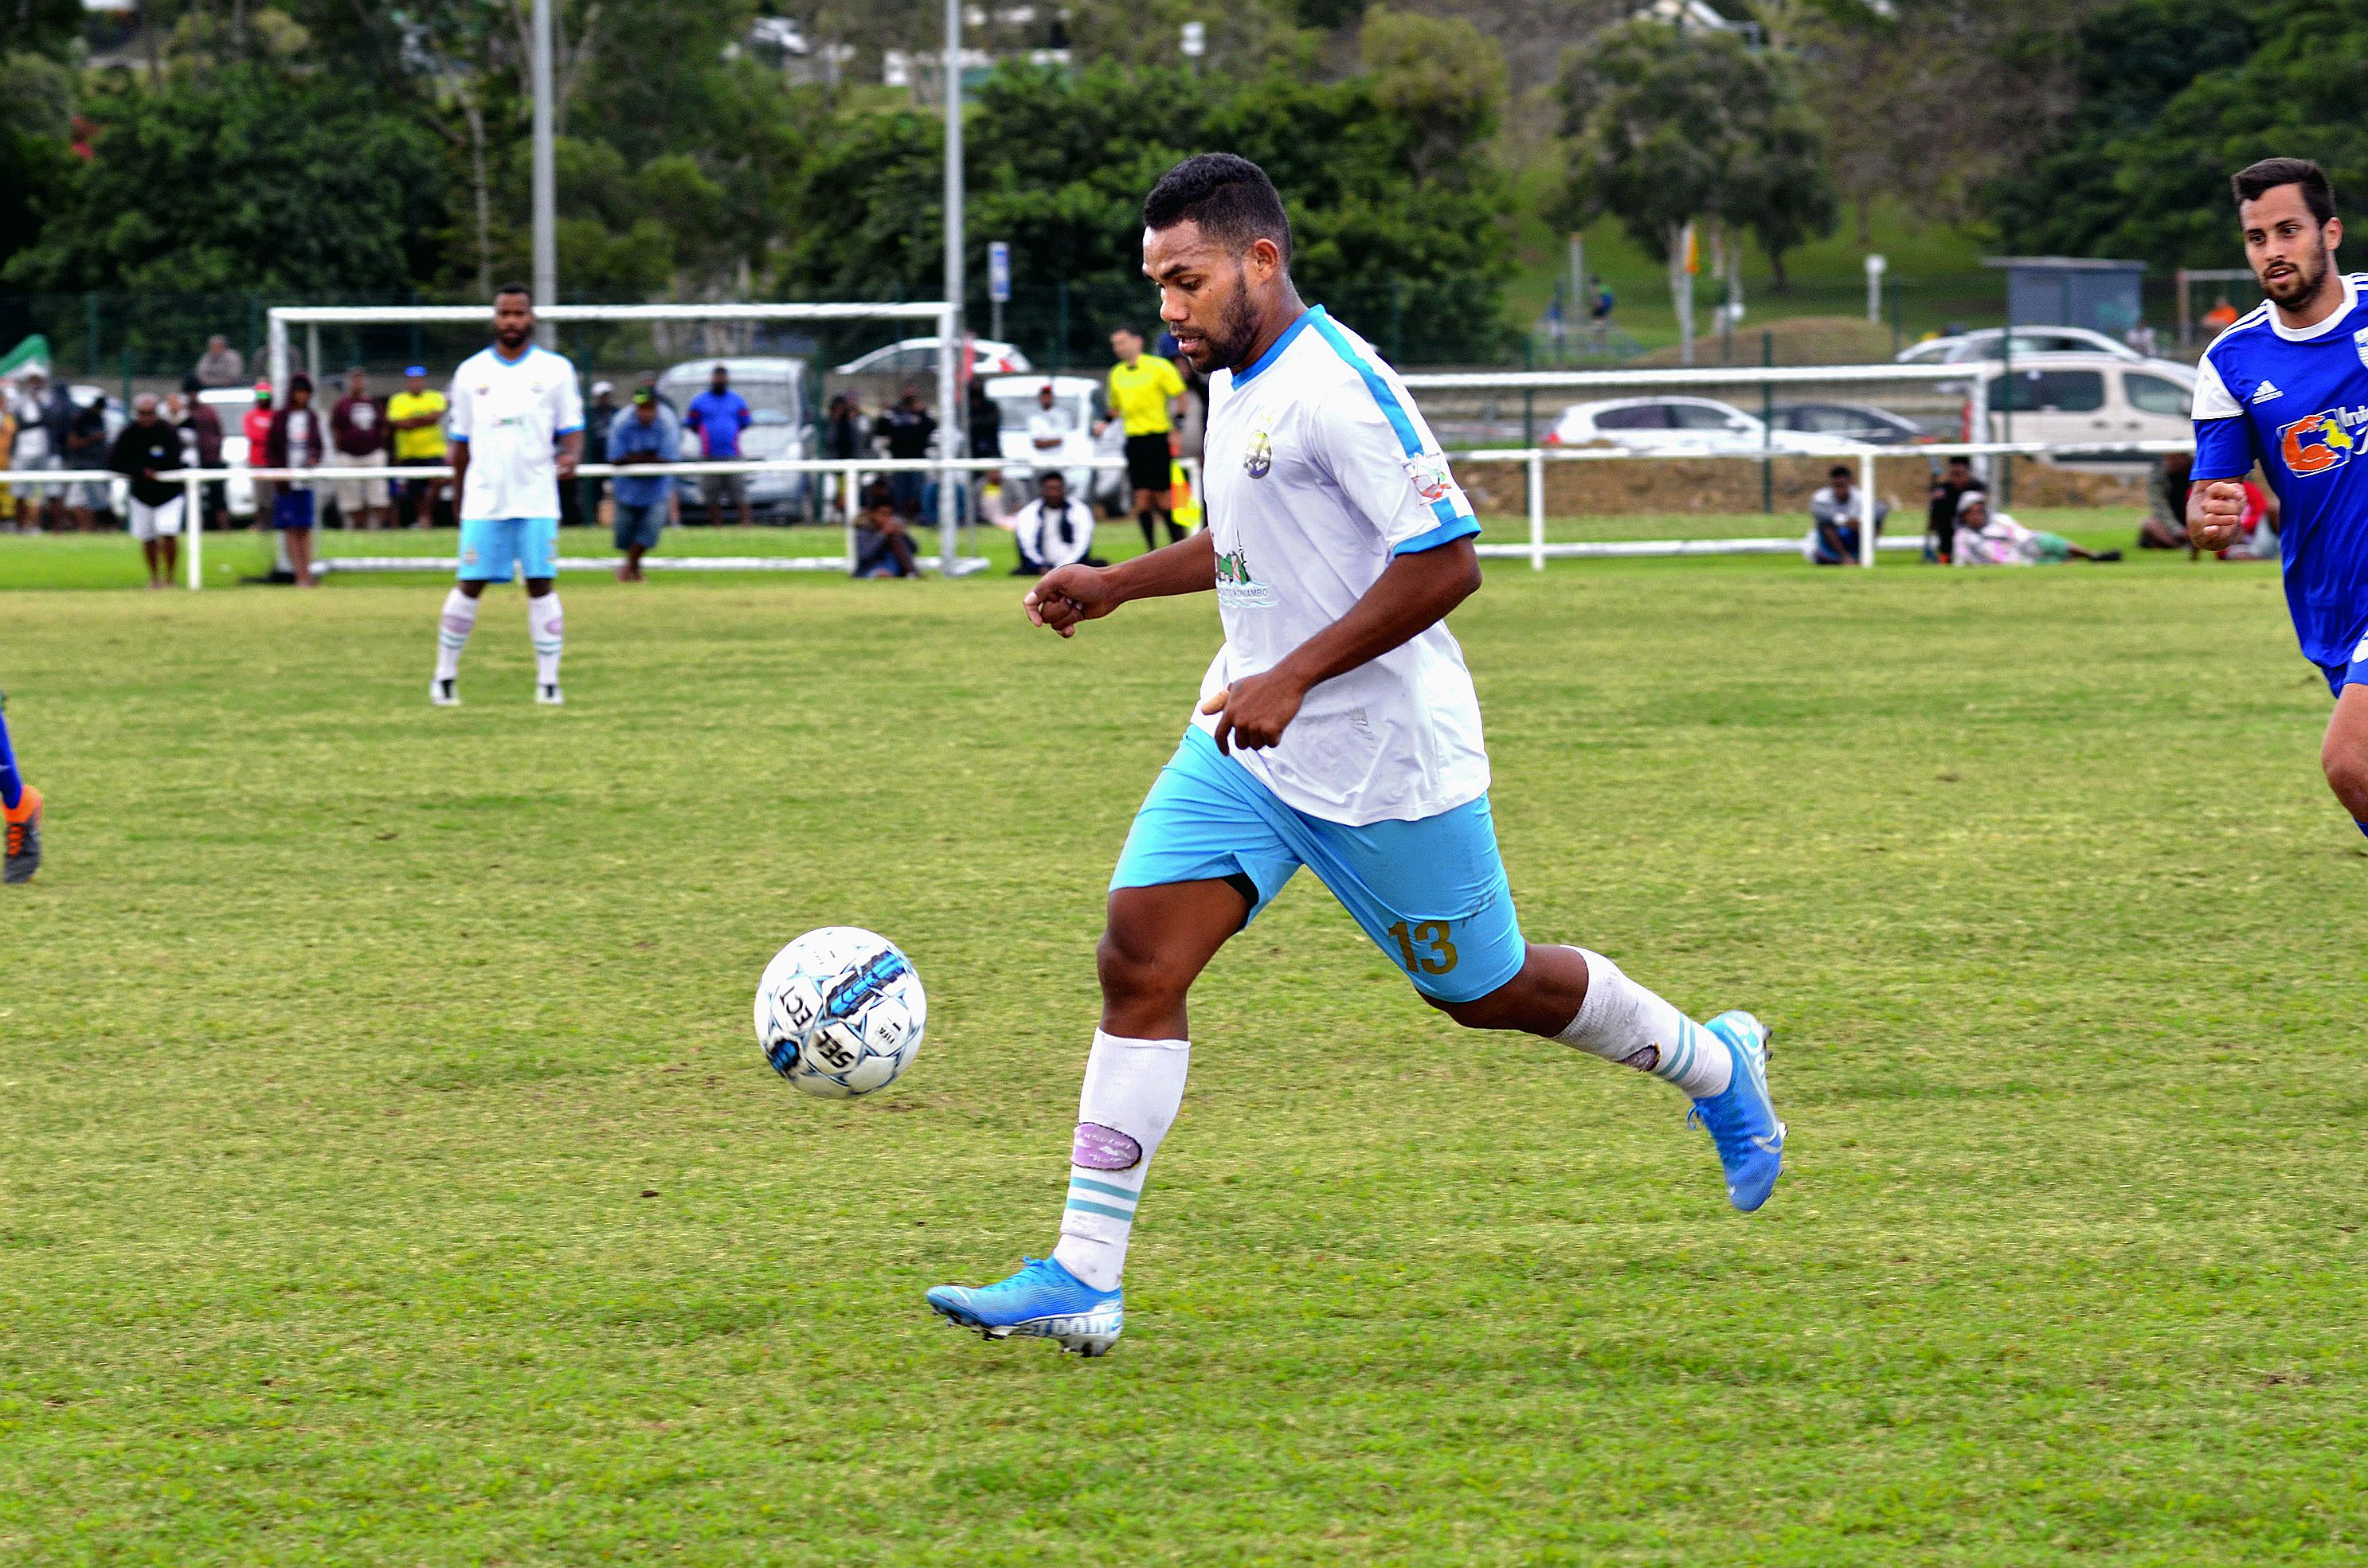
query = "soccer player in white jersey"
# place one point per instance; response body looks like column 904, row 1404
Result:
column 517, row 426
column 1336, row 730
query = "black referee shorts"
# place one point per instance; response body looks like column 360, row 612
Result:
column 1147, row 462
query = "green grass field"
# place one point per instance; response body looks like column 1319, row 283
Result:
column 392, row 1177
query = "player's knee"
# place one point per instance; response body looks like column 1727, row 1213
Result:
column 2346, row 774
column 1135, row 970
column 1490, row 1012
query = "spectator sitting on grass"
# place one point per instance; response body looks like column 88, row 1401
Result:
column 1053, row 531
column 1993, row 538
column 1834, row 520
column 643, row 434
column 1940, row 516
column 882, row 548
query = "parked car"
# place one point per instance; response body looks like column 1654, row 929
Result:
column 918, row 356
column 776, row 392
column 230, row 405
column 1990, row 343
column 2089, row 398
column 1078, row 398
column 1674, row 424
column 1858, row 422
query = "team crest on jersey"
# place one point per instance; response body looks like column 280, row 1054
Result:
column 2359, row 343
column 1237, row 586
column 1428, row 473
column 2323, row 441
column 1260, row 461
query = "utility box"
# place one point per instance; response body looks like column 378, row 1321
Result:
column 2068, row 290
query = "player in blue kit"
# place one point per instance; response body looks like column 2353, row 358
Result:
column 20, row 811
column 1336, row 730
column 2287, row 387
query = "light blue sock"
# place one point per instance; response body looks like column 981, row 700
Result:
column 11, row 785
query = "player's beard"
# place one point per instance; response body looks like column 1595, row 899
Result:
column 1235, row 331
column 2301, row 283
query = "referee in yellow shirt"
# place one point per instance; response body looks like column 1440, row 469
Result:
column 1146, row 396
column 416, row 415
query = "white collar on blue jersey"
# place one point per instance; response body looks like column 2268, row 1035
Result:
column 2319, row 327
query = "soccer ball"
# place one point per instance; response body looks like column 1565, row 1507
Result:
column 840, row 1013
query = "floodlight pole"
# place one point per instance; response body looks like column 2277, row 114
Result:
column 546, row 197
column 949, row 339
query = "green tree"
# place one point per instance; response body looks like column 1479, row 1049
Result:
column 1670, row 127
column 1442, row 75
column 242, row 178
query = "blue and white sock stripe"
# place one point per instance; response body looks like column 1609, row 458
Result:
column 1102, row 1198
column 1678, row 1058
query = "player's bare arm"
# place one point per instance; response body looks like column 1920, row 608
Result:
column 2216, row 512
column 1068, row 595
column 1414, row 594
column 571, row 453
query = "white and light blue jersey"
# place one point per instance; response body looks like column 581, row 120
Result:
column 512, row 413
column 2296, row 400
column 1318, row 469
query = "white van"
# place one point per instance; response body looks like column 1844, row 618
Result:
column 2088, row 399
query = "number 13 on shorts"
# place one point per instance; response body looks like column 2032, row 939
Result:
column 1424, row 946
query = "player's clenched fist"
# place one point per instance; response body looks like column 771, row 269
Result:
column 1067, row 594
column 2215, row 514
column 1253, row 712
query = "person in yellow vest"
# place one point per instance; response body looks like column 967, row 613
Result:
column 415, row 414
column 1145, row 396
column 1185, row 505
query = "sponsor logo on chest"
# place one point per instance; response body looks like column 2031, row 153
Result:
column 2321, row 442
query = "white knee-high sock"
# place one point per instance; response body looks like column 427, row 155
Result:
column 1134, row 1088
column 548, row 628
column 1621, row 1021
column 452, row 632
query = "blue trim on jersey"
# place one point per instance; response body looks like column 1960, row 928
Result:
column 1391, row 409
column 1461, row 527
column 1274, row 349
column 567, row 430
column 456, row 436
column 524, row 354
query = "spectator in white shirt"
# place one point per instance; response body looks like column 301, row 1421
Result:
column 1051, row 530
column 1049, row 427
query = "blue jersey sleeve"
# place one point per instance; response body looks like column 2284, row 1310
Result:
column 2223, row 448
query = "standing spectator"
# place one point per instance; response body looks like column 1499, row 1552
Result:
column 985, row 421
column 1598, row 313
column 87, row 448
column 843, row 440
column 220, row 365
column 882, row 548
column 201, row 446
column 415, row 414
column 1948, row 489
column 357, row 430
column 906, row 429
column 143, row 449
column 597, row 418
column 643, row 434
column 719, row 415
column 1834, row 519
column 1049, row 427
column 1146, row 396
column 296, row 441
column 1051, row 530
column 32, row 450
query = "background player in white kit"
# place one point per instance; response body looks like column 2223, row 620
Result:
column 516, row 429
column 1338, row 730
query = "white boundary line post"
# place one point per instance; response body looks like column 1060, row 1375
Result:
column 1866, row 509
column 1537, row 486
column 847, row 502
column 947, row 427
column 193, row 528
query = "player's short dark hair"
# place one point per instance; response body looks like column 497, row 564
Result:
column 509, row 288
column 1126, row 326
column 1840, row 470
column 1228, row 196
column 2256, row 180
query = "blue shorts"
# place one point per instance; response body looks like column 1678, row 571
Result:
column 638, row 524
column 1431, row 893
column 492, row 546
column 292, row 509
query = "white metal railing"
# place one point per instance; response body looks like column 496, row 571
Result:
column 194, row 480
column 1532, row 459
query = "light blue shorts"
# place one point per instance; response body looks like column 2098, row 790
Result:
column 492, row 546
column 1431, row 893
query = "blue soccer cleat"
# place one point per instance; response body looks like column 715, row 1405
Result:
column 1043, row 1301
column 1742, row 1118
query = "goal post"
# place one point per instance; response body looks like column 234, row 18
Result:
column 283, row 318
